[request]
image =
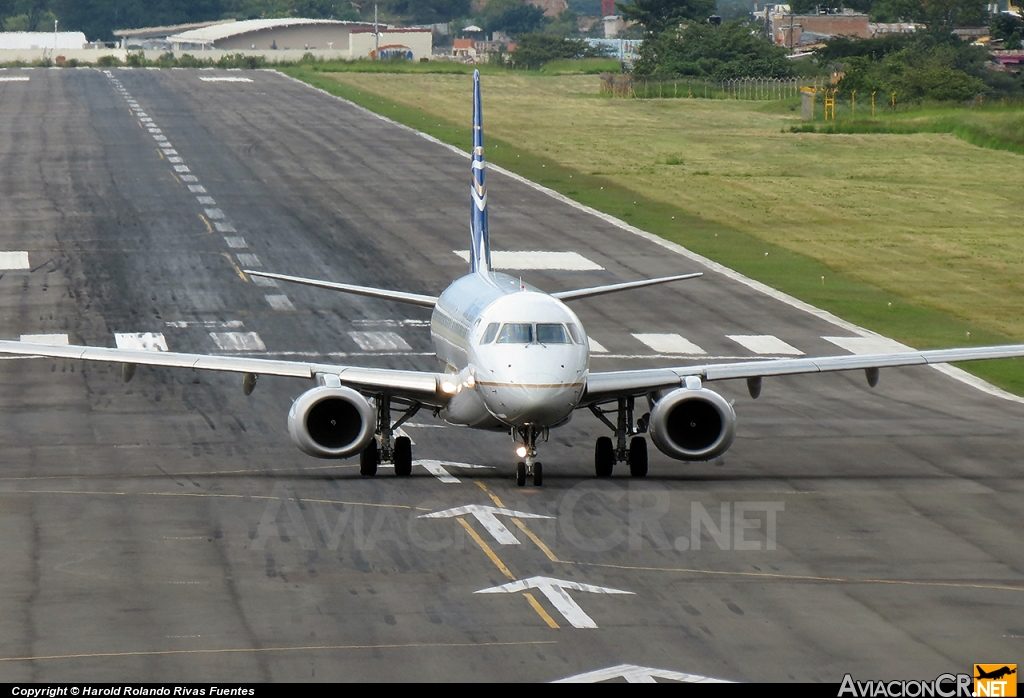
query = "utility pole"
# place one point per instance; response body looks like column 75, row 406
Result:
column 376, row 34
column 54, row 35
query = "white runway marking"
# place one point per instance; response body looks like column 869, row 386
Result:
column 159, row 137
column 669, row 344
column 764, row 344
column 596, row 347
column 226, row 79
column 169, row 151
column 189, row 178
column 145, row 341
column 224, row 228
column 155, row 130
column 197, row 188
column 238, row 341
column 206, row 200
column 562, row 261
column 13, row 260
column 145, row 119
column 51, row 339
column 486, row 516
column 175, row 159
column 208, row 324
column 20, row 78
column 379, row 341
column 868, row 345
column 249, row 260
column 213, row 213
column 263, row 281
column 181, row 168
column 632, row 673
column 236, row 243
column 279, row 302
column 555, row 591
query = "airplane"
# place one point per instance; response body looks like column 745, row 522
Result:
column 516, row 360
column 995, row 673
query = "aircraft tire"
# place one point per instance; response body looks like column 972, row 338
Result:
column 403, row 456
column 521, row 474
column 369, row 459
column 538, row 475
column 638, row 456
column 604, row 457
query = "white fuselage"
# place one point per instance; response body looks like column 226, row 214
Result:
column 518, row 357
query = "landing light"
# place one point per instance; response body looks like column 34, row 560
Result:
column 521, row 451
column 448, row 387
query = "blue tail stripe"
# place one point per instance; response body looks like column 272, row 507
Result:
column 480, row 246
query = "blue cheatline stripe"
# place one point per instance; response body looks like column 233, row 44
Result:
column 480, row 245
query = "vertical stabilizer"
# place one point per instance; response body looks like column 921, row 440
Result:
column 480, row 244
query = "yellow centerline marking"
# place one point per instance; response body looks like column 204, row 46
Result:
column 802, row 577
column 486, row 548
column 209, row 227
column 540, row 611
column 308, row 648
column 231, row 261
column 522, row 527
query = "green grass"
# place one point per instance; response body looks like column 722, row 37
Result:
column 928, row 292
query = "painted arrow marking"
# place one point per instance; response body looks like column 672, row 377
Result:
column 486, row 516
column 555, row 591
column 437, row 469
column 637, row 674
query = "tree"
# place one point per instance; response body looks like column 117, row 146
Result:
column 1009, row 29
column 731, row 50
column 534, row 50
column 429, row 11
column 658, row 15
column 512, row 16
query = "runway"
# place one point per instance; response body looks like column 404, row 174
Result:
column 168, row 530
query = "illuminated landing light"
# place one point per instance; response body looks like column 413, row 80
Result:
column 521, row 451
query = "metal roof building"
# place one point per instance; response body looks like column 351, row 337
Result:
column 60, row 41
column 270, row 34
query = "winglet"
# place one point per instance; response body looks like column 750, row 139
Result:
column 480, row 245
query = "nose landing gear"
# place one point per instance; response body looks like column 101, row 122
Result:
column 607, row 453
column 527, row 450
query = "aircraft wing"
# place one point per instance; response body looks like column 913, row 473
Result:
column 420, row 386
column 609, row 385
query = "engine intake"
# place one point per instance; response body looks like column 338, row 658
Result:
column 331, row 422
column 689, row 424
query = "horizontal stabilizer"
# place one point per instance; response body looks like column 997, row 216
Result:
column 397, row 296
column 615, row 288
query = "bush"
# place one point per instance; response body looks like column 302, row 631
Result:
column 108, row 61
column 731, row 50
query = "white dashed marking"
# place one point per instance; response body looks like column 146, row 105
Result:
column 596, row 347
column 263, row 281
column 214, row 213
column 868, row 345
column 379, row 341
column 669, row 344
column 563, row 261
column 206, row 200
column 236, row 243
column 13, row 260
column 145, row 341
column 169, row 151
column 20, row 78
column 155, row 130
column 765, row 344
column 224, row 228
column 197, row 188
column 189, row 178
column 51, row 339
column 280, row 302
column 238, row 341
column 226, row 79
column 175, row 159
column 181, row 168
column 249, row 260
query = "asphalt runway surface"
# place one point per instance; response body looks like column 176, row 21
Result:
column 168, row 530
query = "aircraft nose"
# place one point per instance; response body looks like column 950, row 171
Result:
column 537, row 398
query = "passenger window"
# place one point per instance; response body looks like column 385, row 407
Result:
column 550, row 333
column 575, row 332
column 516, row 333
column 490, row 333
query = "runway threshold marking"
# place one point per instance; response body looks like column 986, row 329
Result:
column 520, row 525
column 305, row 648
column 802, row 577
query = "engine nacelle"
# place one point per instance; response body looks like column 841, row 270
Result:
column 691, row 424
column 331, row 422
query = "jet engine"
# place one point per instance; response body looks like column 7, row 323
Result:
column 692, row 424
column 331, row 422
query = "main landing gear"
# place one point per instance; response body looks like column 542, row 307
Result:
column 527, row 450
column 385, row 447
column 607, row 452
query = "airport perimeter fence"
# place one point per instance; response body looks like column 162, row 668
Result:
column 691, row 88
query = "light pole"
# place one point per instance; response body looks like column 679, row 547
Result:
column 55, row 35
column 376, row 34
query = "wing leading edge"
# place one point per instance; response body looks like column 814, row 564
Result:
column 419, row 386
column 613, row 384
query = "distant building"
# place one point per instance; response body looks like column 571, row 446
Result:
column 59, row 41
column 155, row 38
column 789, row 30
column 270, row 34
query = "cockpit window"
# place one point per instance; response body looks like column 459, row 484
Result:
column 575, row 332
column 550, row 333
column 490, row 333
column 516, row 333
